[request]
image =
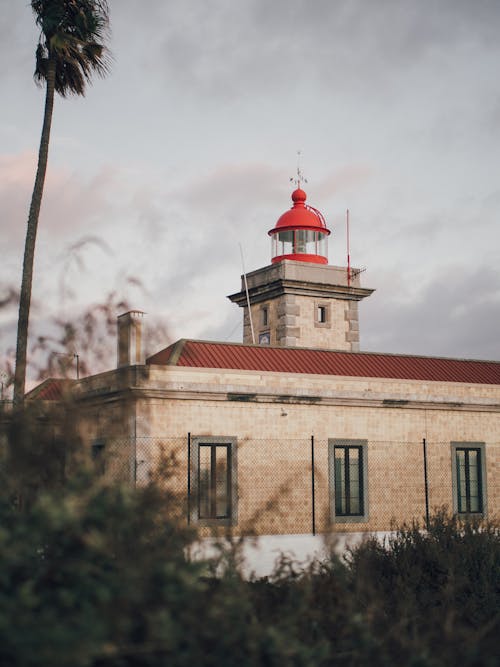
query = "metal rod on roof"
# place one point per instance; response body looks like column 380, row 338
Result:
column 246, row 291
column 74, row 355
column 348, row 252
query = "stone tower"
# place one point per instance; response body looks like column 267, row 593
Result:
column 299, row 300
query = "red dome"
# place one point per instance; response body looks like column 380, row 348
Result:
column 300, row 216
column 300, row 234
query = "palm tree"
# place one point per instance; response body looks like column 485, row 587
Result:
column 70, row 49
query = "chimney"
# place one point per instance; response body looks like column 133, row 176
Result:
column 130, row 352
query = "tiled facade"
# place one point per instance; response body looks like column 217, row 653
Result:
column 277, row 419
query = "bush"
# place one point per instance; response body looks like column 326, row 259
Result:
column 93, row 575
column 432, row 594
column 96, row 574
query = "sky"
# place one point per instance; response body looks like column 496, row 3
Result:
column 186, row 149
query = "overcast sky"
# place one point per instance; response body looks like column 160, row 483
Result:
column 186, row 149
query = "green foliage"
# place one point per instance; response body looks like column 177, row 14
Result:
column 93, row 573
column 72, row 34
column 433, row 593
column 97, row 574
column 424, row 597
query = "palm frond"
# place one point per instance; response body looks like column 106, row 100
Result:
column 73, row 34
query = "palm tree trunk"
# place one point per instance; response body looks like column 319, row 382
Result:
column 29, row 246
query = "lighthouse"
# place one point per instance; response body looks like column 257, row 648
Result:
column 300, row 300
column 300, row 233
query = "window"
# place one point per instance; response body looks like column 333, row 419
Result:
column 98, row 451
column 214, row 481
column 299, row 242
column 322, row 314
column 468, row 475
column 301, row 238
column 285, row 243
column 214, row 463
column 264, row 316
column 348, row 465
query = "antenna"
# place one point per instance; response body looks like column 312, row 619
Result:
column 348, row 251
column 248, row 297
column 350, row 273
column 299, row 179
column 73, row 355
column 358, row 271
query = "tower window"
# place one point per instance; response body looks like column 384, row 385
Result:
column 322, row 314
column 264, row 316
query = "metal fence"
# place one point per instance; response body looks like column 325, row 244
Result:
column 305, row 485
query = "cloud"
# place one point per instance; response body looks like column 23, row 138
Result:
column 186, row 240
column 394, row 104
column 346, row 179
column 16, row 181
column 19, row 37
column 232, row 190
column 74, row 202
column 282, row 44
column 457, row 313
column 70, row 202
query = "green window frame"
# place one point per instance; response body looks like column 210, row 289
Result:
column 468, row 463
column 213, row 466
column 214, row 481
column 348, row 480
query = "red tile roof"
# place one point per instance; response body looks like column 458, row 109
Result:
column 203, row 354
column 51, row 389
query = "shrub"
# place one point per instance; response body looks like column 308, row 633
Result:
column 98, row 574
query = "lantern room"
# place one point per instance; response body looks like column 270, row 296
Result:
column 300, row 234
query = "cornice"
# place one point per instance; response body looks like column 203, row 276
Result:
column 299, row 288
column 149, row 393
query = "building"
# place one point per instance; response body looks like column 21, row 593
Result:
column 295, row 431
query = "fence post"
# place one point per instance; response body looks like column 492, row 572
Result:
column 426, row 483
column 312, row 488
column 189, row 480
column 133, row 447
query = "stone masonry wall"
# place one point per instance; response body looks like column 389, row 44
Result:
column 273, row 417
column 293, row 322
column 274, row 456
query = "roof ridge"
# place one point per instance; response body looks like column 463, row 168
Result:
column 177, row 349
column 48, row 384
column 346, row 352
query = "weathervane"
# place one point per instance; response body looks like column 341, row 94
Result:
column 299, row 179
